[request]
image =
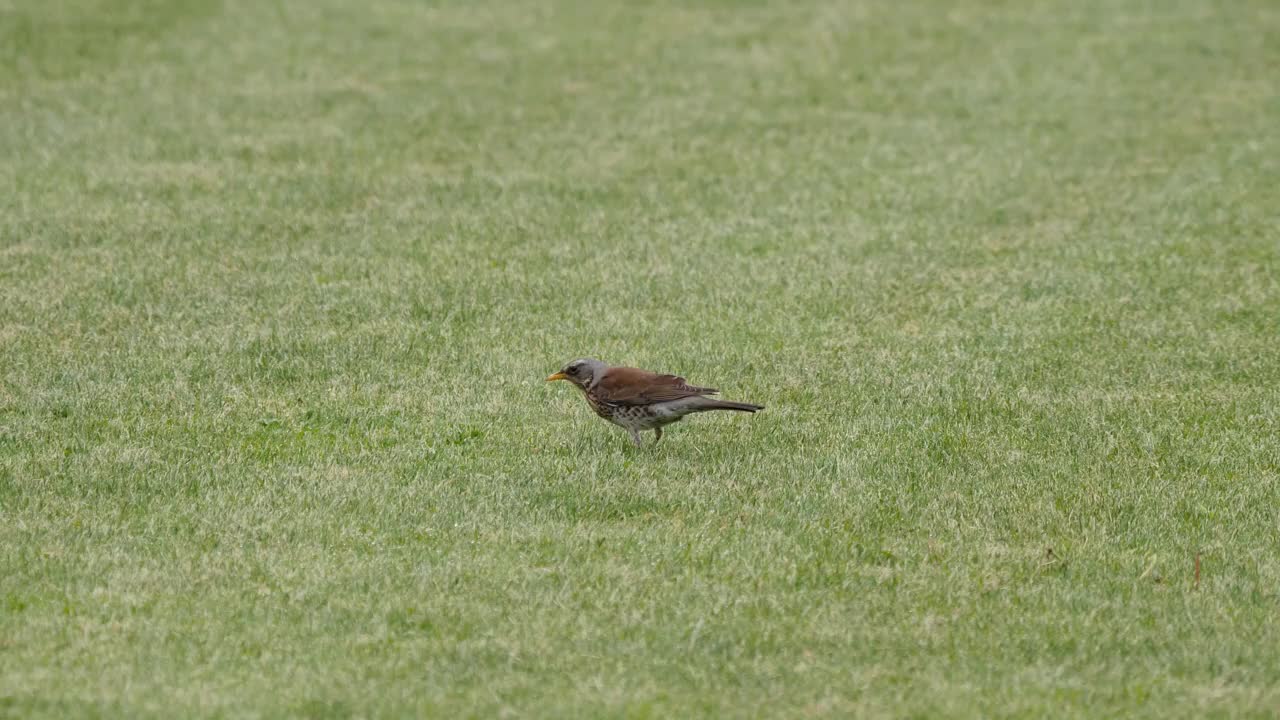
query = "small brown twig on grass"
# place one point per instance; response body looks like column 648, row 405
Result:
column 1050, row 559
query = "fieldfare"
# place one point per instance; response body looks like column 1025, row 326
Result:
column 639, row 400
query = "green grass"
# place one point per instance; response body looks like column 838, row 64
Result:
column 279, row 283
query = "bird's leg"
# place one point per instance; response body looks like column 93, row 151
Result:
column 635, row 438
column 657, row 435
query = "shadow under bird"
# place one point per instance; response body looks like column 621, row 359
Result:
column 637, row 400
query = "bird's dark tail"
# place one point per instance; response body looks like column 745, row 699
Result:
column 730, row 405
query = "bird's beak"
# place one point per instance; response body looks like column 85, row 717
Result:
column 557, row 376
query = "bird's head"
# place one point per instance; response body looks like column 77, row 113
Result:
column 584, row 372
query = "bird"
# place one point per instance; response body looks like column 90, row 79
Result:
column 637, row 400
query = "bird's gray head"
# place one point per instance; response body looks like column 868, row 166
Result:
column 583, row 372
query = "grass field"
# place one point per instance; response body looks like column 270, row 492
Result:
column 279, row 283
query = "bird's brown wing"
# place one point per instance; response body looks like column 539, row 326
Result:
column 632, row 386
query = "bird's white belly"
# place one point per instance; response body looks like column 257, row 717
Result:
column 654, row 416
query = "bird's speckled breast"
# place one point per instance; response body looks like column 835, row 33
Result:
column 600, row 408
column 631, row 417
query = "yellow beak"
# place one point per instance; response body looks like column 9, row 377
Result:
column 557, row 376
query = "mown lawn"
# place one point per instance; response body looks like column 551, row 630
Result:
column 279, row 283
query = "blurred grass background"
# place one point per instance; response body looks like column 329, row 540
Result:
column 279, row 282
